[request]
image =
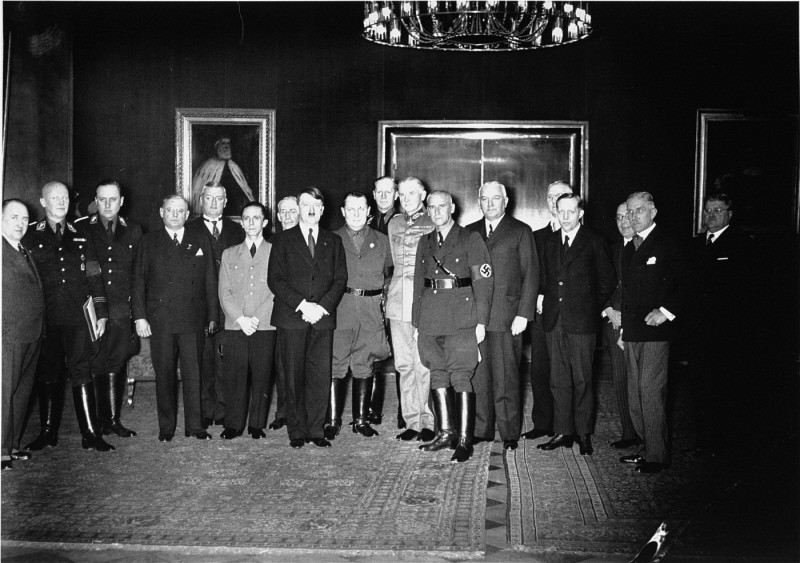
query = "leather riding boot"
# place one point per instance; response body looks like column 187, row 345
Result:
column 334, row 423
column 362, row 391
column 401, row 422
column 85, row 409
column 443, row 408
column 378, row 393
column 466, row 426
column 51, row 404
column 115, row 390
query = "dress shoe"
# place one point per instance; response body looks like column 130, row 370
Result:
column 277, row 424
column 332, row 430
column 365, row 430
column 558, row 441
column 319, row 442
column 537, row 433
column 427, row 435
column 230, row 434
column 165, row 437
column 256, row 433
column 651, row 467
column 5, row 465
column 20, row 455
column 626, row 443
column 297, row 443
column 510, row 444
column 632, row 458
column 585, row 444
column 203, row 435
column 407, row 435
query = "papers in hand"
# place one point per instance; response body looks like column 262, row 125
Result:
column 91, row 318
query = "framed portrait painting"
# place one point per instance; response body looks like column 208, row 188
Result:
column 459, row 156
column 233, row 147
column 753, row 158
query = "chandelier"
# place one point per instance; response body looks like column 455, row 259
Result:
column 476, row 26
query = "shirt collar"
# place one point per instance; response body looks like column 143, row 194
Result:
column 493, row 223
column 645, row 233
column 572, row 234
column 53, row 224
column 414, row 216
column 179, row 232
column 626, row 240
column 14, row 245
column 446, row 229
column 104, row 222
column 353, row 233
column 718, row 233
column 257, row 242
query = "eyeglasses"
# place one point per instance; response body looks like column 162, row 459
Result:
column 715, row 211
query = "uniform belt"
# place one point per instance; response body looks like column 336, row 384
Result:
column 363, row 292
column 448, row 283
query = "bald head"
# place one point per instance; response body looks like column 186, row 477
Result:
column 55, row 201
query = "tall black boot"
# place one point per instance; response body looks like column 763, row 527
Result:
column 334, row 424
column 112, row 406
column 466, row 426
column 401, row 422
column 378, row 393
column 85, row 409
column 51, row 405
column 443, row 408
column 362, row 390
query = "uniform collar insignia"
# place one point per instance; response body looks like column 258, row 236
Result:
column 41, row 225
column 93, row 220
column 70, row 227
column 122, row 221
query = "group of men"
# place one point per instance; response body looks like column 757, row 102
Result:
column 450, row 304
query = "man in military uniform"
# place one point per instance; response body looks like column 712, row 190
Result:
column 222, row 233
column 405, row 231
column 453, row 287
column 70, row 271
column 359, row 339
column 115, row 239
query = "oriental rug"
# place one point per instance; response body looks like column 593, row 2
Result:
column 360, row 495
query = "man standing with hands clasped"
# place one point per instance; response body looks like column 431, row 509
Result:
column 308, row 275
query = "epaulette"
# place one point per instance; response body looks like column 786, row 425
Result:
column 70, row 227
column 41, row 225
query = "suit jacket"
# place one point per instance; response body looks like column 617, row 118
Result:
column 576, row 289
column 294, row 276
column 539, row 238
column 231, row 234
column 515, row 261
column 653, row 276
column 115, row 255
column 615, row 302
column 368, row 268
column 447, row 311
column 243, row 289
column 175, row 287
column 23, row 297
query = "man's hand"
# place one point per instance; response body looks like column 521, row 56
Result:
column 249, row 324
column 518, row 325
column 539, row 301
column 655, row 318
column 143, row 328
column 480, row 332
column 620, row 343
column 614, row 317
column 312, row 312
column 213, row 328
column 100, row 327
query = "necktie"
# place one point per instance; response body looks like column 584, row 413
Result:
column 175, row 239
column 381, row 223
column 491, row 231
column 58, row 233
column 710, row 238
column 564, row 248
column 215, row 230
column 110, row 228
column 253, row 250
column 441, row 240
column 311, row 241
column 637, row 241
column 23, row 252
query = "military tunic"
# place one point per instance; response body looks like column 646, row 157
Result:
column 446, row 317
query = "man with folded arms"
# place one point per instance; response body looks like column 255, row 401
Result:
column 248, row 341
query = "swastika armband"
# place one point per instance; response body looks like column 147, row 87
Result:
column 482, row 271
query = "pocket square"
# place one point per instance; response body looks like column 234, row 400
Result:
column 199, row 252
column 722, row 258
column 651, row 260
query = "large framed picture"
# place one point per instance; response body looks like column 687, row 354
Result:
column 459, row 156
column 234, row 147
column 754, row 159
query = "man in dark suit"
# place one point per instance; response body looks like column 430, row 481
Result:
column 174, row 302
column 116, row 241
column 516, row 284
column 67, row 262
column 453, row 284
column 385, row 194
column 360, row 338
column 578, row 280
column 23, row 325
column 612, row 332
column 222, row 233
column 308, row 275
column 722, row 295
column 542, row 410
column 653, row 294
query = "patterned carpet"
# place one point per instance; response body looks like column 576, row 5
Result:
column 361, row 494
